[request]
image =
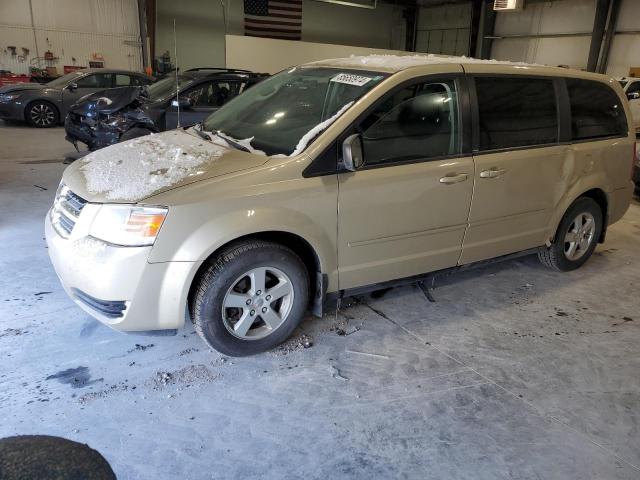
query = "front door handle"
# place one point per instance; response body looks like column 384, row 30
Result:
column 492, row 173
column 451, row 179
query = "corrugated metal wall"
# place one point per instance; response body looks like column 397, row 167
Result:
column 73, row 30
column 529, row 35
column 444, row 29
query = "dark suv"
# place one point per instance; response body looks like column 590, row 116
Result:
column 108, row 117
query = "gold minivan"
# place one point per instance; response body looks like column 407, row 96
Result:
column 336, row 177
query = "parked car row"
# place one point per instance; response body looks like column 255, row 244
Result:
column 47, row 105
column 107, row 117
column 101, row 107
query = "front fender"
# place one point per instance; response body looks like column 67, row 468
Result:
column 204, row 221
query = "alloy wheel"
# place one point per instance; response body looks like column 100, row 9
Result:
column 42, row 114
column 257, row 303
column 579, row 237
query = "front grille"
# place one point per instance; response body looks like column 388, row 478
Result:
column 108, row 308
column 67, row 207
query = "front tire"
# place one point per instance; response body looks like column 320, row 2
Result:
column 42, row 114
column 576, row 238
column 250, row 298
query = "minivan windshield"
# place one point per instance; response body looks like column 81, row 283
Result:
column 278, row 112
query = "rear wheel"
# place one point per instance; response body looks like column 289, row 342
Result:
column 42, row 114
column 576, row 238
column 251, row 298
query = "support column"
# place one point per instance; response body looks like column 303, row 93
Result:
column 614, row 9
column 599, row 25
column 485, row 32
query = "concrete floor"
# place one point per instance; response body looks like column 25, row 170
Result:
column 515, row 372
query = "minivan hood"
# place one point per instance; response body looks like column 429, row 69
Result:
column 106, row 101
column 131, row 171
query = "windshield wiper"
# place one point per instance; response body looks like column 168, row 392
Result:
column 200, row 133
column 231, row 141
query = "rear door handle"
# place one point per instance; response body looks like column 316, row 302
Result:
column 492, row 173
column 451, row 179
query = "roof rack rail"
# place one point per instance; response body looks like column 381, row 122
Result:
column 222, row 69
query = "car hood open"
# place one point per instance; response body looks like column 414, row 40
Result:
column 131, row 171
column 106, row 101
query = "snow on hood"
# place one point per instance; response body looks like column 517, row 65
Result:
column 137, row 168
column 400, row 62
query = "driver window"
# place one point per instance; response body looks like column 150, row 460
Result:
column 417, row 122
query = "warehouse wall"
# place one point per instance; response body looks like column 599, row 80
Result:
column 566, row 16
column 71, row 29
column 625, row 48
column 444, row 29
column 200, row 29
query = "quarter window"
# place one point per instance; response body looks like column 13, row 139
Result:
column 516, row 112
column 596, row 110
column 123, row 80
column 95, row 80
column 417, row 122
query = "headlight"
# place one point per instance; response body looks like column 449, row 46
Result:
column 128, row 225
column 9, row 97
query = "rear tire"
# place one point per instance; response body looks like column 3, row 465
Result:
column 42, row 114
column 250, row 298
column 134, row 132
column 576, row 238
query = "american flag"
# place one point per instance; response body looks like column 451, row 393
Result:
column 273, row 18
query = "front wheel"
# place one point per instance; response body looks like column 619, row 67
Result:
column 42, row 114
column 576, row 238
column 251, row 298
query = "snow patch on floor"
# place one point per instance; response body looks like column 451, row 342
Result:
column 133, row 170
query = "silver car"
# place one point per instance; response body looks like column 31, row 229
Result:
column 46, row 105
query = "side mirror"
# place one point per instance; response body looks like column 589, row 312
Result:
column 182, row 103
column 352, row 157
column 72, row 87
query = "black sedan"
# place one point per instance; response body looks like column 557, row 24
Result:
column 46, row 105
column 108, row 117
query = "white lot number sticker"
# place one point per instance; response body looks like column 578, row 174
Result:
column 351, row 79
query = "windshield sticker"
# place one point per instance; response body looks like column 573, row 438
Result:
column 351, row 79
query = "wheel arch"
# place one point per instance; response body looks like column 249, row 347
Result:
column 295, row 242
column 596, row 194
column 600, row 197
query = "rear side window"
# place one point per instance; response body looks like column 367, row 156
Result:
column 596, row 110
column 516, row 112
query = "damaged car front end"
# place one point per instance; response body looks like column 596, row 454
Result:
column 106, row 118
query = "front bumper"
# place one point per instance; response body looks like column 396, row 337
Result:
column 78, row 131
column 12, row 111
column 117, row 285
